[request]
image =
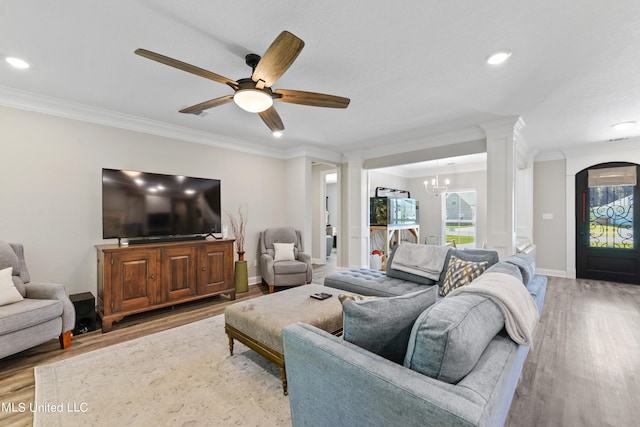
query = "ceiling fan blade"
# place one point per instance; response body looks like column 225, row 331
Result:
column 311, row 98
column 272, row 119
column 198, row 108
column 185, row 67
column 278, row 58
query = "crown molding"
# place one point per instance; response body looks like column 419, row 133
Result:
column 29, row 101
column 382, row 147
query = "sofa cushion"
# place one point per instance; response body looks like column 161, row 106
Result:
column 8, row 292
column 475, row 255
column 27, row 313
column 365, row 281
column 506, row 268
column 461, row 273
column 448, row 338
column 526, row 264
column 289, row 267
column 383, row 325
column 403, row 275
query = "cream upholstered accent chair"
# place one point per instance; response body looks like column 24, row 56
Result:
column 282, row 261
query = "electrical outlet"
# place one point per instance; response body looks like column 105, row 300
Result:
column 255, row 262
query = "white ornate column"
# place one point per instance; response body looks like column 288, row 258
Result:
column 501, row 184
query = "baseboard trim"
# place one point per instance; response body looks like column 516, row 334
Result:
column 551, row 272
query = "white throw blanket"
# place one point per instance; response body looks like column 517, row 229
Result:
column 422, row 260
column 519, row 309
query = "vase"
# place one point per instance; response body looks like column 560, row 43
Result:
column 241, row 277
column 240, row 255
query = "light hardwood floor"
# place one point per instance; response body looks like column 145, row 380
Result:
column 584, row 369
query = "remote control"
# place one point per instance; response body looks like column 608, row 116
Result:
column 321, row 295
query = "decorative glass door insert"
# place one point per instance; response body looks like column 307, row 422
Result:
column 610, row 207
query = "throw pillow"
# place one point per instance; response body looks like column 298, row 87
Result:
column 448, row 339
column 9, row 258
column 347, row 297
column 283, row 252
column 460, row 273
column 383, row 325
column 475, row 255
column 8, row 292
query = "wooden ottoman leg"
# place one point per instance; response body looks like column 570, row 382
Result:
column 230, row 344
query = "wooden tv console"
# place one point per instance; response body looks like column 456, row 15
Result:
column 143, row 277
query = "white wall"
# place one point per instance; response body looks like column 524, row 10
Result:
column 50, row 188
column 550, row 235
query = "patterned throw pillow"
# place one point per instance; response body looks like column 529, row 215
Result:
column 460, row 273
column 345, row 297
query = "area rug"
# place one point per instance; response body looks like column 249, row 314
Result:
column 179, row 377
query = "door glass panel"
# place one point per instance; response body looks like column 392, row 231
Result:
column 459, row 218
column 611, row 217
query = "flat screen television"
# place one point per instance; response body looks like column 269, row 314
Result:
column 150, row 205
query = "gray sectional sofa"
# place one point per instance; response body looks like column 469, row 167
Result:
column 466, row 374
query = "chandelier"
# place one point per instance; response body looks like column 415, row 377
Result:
column 434, row 188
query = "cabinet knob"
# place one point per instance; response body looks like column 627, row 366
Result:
column 153, row 276
column 204, row 268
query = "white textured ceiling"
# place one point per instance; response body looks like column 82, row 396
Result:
column 410, row 68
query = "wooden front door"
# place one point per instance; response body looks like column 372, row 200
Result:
column 607, row 226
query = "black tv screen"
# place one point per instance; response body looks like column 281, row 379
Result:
column 141, row 204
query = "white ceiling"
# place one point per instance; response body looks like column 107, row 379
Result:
column 410, row 68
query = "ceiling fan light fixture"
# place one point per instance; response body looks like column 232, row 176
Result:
column 277, row 134
column 253, row 100
column 498, row 57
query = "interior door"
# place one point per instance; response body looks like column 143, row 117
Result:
column 607, row 223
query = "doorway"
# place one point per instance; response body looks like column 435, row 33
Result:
column 608, row 223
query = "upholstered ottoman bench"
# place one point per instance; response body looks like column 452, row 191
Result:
column 258, row 322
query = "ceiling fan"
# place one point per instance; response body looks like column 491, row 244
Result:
column 254, row 94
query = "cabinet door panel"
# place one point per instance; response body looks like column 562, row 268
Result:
column 178, row 273
column 214, row 272
column 133, row 280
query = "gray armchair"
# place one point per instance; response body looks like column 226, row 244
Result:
column 45, row 313
column 275, row 272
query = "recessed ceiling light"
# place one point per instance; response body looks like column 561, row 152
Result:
column 498, row 57
column 277, row 134
column 17, row 62
column 623, row 125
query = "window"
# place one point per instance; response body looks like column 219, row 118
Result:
column 611, row 217
column 611, row 207
column 459, row 218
